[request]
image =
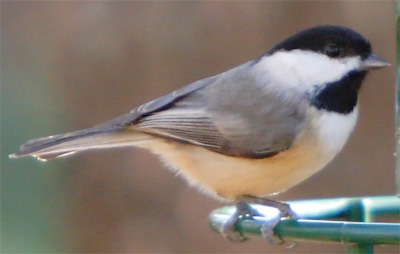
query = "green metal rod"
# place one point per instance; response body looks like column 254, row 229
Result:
column 369, row 207
column 320, row 231
column 360, row 233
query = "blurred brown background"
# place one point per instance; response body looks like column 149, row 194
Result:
column 71, row 65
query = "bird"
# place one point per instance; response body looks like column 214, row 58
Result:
column 252, row 131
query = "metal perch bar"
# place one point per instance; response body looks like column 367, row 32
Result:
column 308, row 229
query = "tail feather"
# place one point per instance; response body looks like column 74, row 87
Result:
column 69, row 143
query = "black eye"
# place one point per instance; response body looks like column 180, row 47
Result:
column 332, row 50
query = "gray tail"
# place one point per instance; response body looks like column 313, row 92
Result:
column 69, row 143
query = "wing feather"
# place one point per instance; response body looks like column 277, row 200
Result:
column 189, row 128
column 230, row 113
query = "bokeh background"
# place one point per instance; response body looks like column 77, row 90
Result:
column 70, row 65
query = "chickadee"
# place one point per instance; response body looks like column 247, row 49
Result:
column 254, row 130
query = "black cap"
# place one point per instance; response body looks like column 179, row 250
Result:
column 334, row 41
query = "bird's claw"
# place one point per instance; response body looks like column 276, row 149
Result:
column 244, row 210
column 267, row 231
column 229, row 233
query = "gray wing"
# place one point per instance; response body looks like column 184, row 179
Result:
column 229, row 113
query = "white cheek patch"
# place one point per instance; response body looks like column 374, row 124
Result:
column 334, row 129
column 302, row 69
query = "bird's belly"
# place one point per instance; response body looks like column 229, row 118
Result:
column 229, row 177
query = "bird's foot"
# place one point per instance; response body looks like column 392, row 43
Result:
column 243, row 211
column 267, row 230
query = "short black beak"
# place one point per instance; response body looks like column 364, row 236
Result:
column 373, row 62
